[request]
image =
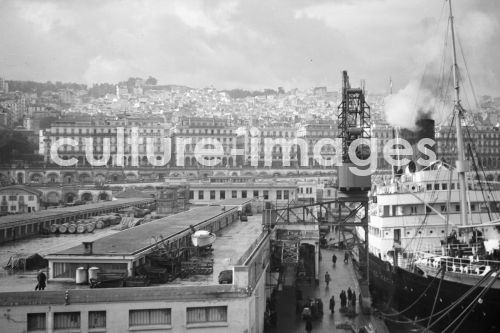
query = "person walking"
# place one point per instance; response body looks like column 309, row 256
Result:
column 354, row 301
column 334, row 259
column 327, row 279
column 41, row 281
column 346, row 257
column 332, row 304
column 349, row 293
column 309, row 325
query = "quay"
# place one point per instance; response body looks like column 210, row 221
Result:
column 20, row 226
column 185, row 304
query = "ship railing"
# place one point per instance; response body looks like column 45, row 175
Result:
column 468, row 266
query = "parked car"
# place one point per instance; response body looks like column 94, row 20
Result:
column 244, row 218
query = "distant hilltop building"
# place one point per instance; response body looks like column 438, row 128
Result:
column 4, row 86
column 320, row 91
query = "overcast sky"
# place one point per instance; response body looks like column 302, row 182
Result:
column 252, row 44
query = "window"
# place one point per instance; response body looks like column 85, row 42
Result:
column 452, row 186
column 212, row 195
column 65, row 320
column 443, row 208
column 31, row 197
column 97, row 319
column 285, row 194
column 436, row 186
column 191, row 195
column 12, row 197
column 149, row 317
column 13, row 208
column 266, row 194
column 429, row 187
column 444, row 186
column 200, row 195
column 255, row 194
column 457, row 208
column 234, row 194
column 207, row 314
column 36, row 322
column 278, row 194
column 243, row 194
column 472, row 207
column 222, row 194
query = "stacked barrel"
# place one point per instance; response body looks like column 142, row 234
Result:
column 86, row 225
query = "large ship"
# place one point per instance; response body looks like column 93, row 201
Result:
column 434, row 242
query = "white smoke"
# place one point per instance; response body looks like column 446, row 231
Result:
column 409, row 104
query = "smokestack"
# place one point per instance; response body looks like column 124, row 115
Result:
column 424, row 129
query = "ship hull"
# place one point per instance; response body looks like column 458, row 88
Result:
column 398, row 289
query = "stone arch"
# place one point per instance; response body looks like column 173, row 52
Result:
column 85, row 178
column 68, row 178
column 220, row 173
column 52, row 177
column 70, row 197
column 248, row 173
column 103, row 196
column 149, row 188
column 144, row 160
column 205, row 174
column 263, row 174
column 192, row 174
column 36, row 178
column 87, row 197
column 234, row 174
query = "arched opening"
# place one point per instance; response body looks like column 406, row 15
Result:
column 36, row 178
column 187, row 161
column 20, row 178
column 193, row 161
column 85, row 178
column 52, row 177
column 70, row 197
column 103, row 196
column 87, row 197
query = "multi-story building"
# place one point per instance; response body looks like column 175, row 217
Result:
column 483, row 142
column 191, row 131
column 119, row 133
column 19, row 199
column 216, row 189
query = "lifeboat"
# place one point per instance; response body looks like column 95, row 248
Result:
column 203, row 238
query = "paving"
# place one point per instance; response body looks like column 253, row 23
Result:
column 343, row 277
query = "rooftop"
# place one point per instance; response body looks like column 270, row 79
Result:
column 57, row 212
column 134, row 240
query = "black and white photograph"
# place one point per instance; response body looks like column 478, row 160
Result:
column 249, row 166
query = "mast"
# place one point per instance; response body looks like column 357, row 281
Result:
column 461, row 163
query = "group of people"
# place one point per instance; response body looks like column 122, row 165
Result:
column 348, row 301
